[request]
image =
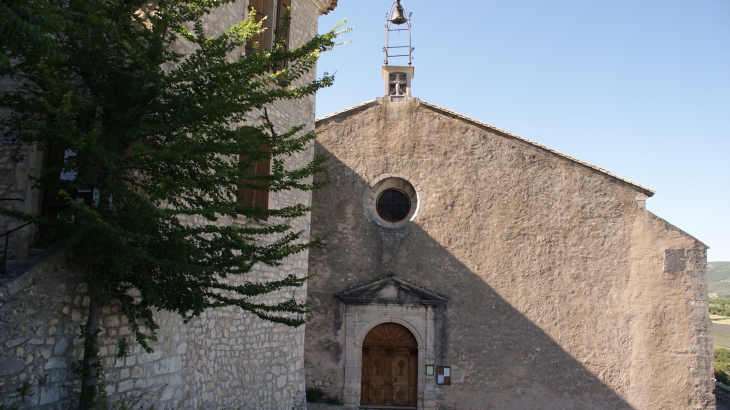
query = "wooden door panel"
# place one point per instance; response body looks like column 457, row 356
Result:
column 401, row 377
column 378, row 376
column 389, row 367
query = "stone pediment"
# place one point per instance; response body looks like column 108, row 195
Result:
column 390, row 291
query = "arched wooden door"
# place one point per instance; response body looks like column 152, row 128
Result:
column 389, row 367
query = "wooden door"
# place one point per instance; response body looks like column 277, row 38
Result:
column 389, row 367
column 402, row 372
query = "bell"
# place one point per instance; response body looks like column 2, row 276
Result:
column 398, row 17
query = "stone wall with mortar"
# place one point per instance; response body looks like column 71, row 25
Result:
column 562, row 289
column 224, row 358
column 38, row 333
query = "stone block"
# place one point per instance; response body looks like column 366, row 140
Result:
column 56, row 363
column 76, row 316
column 281, row 381
column 15, row 342
column 50, row 395
column 168, row 365
column 125, row 385
column 57, row 376
column 9, row 366
column 112, row 321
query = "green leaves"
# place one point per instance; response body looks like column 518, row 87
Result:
column 25, row 27
column 168, row 139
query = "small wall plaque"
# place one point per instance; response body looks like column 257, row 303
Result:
column 443, row 375
column 429, row 370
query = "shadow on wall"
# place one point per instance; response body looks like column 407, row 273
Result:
column 500, row 359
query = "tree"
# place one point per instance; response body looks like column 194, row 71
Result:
column 163, row 137
column 722, row 364
column 25, row 26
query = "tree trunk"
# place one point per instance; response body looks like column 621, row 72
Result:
column 91, row 363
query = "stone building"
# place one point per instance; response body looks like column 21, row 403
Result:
column 470, row 268
column 224, row 358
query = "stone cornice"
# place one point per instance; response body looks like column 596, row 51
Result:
column 325, row 6
column 368, row 294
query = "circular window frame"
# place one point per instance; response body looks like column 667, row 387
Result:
column 397, row 182
column 378, row 205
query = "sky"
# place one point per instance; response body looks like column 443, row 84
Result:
column 640, row 88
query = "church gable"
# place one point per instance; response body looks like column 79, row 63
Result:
column 360, row 109
column 390, row 291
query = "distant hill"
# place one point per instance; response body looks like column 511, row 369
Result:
column 718, row 278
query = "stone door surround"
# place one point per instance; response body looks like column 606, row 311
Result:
column 389, row 300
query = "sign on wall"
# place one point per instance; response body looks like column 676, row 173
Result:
column 443, row 375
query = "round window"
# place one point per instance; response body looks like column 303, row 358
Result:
column 392, row 200
column 393, row 205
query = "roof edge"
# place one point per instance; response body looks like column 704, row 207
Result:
column 646, row 191
column 346, row 111
column 675, row 227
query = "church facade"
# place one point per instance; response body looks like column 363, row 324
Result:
column 470, row 268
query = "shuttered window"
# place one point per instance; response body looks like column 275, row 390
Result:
column 261, row 41
column 255, row 197
column 264, row 40
column 282, row 29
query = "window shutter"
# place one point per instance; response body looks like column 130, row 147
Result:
column 284, row 5
column 262, row 197
column 246, row 193
column 262, row 10
column 283, row 30
column 255, row 197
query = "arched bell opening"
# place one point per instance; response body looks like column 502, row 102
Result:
column 389, row 367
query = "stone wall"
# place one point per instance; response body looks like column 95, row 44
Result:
column 560, row 286
column 39, row 321
column 224, row 358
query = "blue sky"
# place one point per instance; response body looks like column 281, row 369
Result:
column 641, row 88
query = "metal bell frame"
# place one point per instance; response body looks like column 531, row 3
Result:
column 393, row 20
